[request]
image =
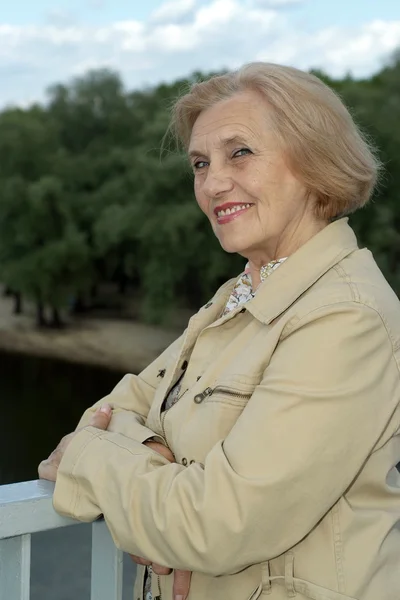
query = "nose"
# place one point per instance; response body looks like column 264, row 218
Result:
column 218, row 182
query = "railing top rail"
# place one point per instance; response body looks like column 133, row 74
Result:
column 27, row 508
column 26, row 491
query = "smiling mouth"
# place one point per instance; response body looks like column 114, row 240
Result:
column 232, row 210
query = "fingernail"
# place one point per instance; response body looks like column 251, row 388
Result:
column 179, row 597
column 106, row 408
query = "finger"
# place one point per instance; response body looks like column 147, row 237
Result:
column 181, row 584
column 55, row 457
column 102, row 417
column 159, row 570
column 140, row 561
column 161, row 449
column 47, row 470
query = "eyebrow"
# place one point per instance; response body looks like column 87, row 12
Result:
column 234, row 139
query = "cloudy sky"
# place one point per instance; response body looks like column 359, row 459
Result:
column 48, row 41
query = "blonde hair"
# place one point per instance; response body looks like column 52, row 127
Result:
column 324, row 146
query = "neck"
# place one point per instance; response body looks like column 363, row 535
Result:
column 281, row 248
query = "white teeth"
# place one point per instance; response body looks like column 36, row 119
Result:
column 229, row 211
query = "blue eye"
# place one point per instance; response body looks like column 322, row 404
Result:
column 241, row 152
column 200, row 164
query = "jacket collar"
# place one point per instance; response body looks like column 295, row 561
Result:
column 302, row 269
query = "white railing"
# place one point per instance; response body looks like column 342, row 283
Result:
column 26, row 508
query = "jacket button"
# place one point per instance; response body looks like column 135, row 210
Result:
column 243, row 310
column 184, row 365
column 184, row 462
column 199, row 398
column 192, row 462
column 208, row 305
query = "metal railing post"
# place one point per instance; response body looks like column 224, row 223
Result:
column 15, row 568
column 27, row 508
column 106, row 584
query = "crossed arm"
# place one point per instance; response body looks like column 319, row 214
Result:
column 305, row 416
column 125, row 411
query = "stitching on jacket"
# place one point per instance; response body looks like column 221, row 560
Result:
column 289, row 326
column 395, row 346
column 153, row 387
column 338, row 548
column 346, row 277
column 76, row 497
column 149, row 454
column 240, row 379
column 381, row 444
column 350, row 302
column 229, row 402
column 357, row 298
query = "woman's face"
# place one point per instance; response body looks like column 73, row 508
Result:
column 255, row 204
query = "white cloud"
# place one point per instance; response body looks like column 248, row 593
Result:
column 278, row 3
column 174, row 11
column 179, row 38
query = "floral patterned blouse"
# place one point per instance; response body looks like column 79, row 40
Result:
column 243, row 290
column 241, row 293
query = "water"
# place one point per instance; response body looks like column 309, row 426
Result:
column 40, row 401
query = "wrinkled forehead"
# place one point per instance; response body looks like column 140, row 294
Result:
column 245, row 117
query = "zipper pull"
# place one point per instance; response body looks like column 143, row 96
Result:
column 200, row 397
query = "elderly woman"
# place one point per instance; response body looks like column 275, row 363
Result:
column 259, row 451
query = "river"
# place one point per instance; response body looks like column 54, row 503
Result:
column 40, row 401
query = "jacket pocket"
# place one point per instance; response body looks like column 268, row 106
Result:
column 316, row 592
column 222, row 393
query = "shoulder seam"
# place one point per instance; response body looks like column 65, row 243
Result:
column 295, row 322
column 344, row 275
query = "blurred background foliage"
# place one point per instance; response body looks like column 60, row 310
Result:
column 87, row 197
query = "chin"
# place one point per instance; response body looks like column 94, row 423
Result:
column 232, row 246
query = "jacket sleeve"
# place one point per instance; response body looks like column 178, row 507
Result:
column 324, row 401
column 132, row 398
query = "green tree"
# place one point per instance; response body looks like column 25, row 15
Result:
column 42, row 254
column 87, row 196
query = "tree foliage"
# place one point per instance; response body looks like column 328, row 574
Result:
column 87, row 196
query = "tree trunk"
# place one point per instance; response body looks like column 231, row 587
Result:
column 78, row 305
column 40, row 318
column 122, row 284
column 94, row 291
column 55, row 322
column 17, row 303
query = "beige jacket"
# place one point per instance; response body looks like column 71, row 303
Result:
column 286, row 440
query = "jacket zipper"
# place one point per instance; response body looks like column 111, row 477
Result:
column 219, row 389
column 207, row 392
column 234, row 393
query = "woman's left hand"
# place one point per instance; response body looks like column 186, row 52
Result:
column 48, row 468
column 182, row 579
